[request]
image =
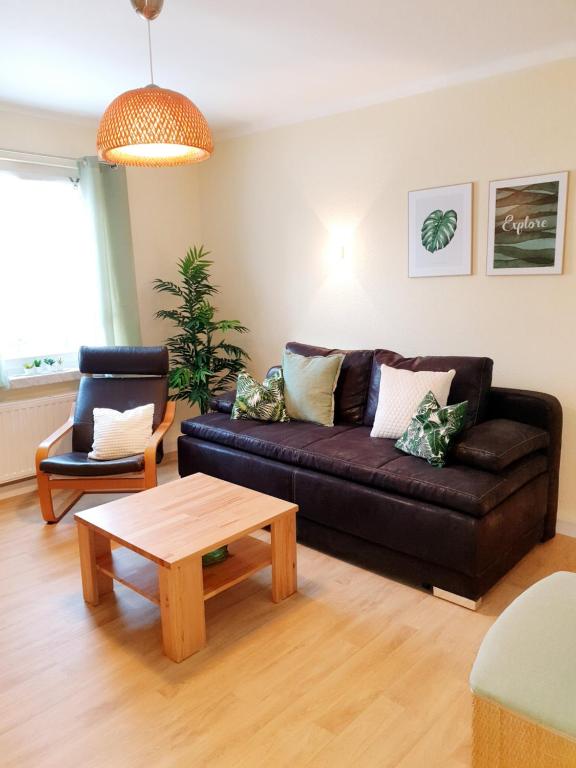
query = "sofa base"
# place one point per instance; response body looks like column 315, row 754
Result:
column 500, row 539
column 409, row 569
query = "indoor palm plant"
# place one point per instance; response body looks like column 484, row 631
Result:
column 202, row 362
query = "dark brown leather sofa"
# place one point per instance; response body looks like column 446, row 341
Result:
column 459, row 528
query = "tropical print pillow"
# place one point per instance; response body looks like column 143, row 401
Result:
column 431, row 430
column 264, row 402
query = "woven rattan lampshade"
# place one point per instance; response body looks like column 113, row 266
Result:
column 153, row 126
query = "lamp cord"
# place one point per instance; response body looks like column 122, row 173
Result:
column 150, row 53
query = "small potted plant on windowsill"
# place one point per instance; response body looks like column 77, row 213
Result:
column 37, row 365
column 59, row 364
column 28, row 368
column 49, row 362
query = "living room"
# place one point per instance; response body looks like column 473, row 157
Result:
column 337, row 133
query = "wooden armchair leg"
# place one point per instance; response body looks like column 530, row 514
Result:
column 150, row 474
column 50, row 513
column 45, row 497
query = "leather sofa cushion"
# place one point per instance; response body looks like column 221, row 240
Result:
column 472, row 381
column 121, row 394
column 350, row 453
column 495, row 444
column 224, row 402
column 78, row 464
column 352, row 387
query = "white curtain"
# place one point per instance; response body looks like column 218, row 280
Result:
column 3, row 377
column 105, row 190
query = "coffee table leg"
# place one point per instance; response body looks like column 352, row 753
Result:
column 284, row 557
column 92, row 546
column 182, row 609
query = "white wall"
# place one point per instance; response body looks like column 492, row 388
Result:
column 276, row 206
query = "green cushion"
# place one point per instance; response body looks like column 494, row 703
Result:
column 310, row 384
column 264, row 402
column 431, row 430
column 527, row 663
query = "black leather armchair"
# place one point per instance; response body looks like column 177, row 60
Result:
column 112, row 377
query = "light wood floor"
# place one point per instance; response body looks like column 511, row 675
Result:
column 355, row 670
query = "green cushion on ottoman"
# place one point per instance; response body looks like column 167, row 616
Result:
column 527, row 661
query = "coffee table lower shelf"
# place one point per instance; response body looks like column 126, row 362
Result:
column 247, row 556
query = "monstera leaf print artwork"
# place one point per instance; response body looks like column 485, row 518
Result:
column 438, row 230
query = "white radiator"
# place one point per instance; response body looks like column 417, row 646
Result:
column 23, row 425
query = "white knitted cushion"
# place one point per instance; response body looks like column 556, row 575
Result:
column 401, row 392
column 117, row 434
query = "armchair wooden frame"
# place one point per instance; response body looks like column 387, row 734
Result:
column 78, row 486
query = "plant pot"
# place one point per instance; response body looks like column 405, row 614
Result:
column 216, row 556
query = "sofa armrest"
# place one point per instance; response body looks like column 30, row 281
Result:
column 494, row 445
column 539, row 410
column 272, row 371
column 223, row 403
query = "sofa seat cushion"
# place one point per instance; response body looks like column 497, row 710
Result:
column 498, row 443
column 350, row 453
column 77, row 464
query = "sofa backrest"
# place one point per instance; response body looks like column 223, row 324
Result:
column 352, row 387
column 356, row 395
column 472, row 381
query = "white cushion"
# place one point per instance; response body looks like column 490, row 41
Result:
column 401, row 392
column 118, row 434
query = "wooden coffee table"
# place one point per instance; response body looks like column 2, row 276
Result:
column 165, row 531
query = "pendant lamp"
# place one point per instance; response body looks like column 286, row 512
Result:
column 153, row 126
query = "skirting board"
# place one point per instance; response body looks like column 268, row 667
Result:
column 566, row 528
column 19, row 488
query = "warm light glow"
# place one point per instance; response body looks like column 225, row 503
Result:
column 156, row 151
column 153, row 126
column 340, row 242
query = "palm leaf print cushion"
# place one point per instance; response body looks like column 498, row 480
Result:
column 431, row 430
column 264, row 402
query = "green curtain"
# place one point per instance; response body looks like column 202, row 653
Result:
column 105, row 190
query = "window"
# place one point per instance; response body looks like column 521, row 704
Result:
column 49, row 282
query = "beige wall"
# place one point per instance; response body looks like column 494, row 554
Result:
column 276, row 207
column 163, row 209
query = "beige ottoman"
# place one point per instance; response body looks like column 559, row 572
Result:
column 524, row 681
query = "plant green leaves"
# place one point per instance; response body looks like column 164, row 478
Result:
column 438, row 229
column 202, row 362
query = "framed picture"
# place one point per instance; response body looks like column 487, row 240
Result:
column 526, row 225
column 440, row 231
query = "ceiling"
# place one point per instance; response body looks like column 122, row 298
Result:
column 253, row 64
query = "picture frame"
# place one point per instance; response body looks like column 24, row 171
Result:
column 440, row 231
column 526, row 225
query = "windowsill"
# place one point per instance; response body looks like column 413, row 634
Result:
column 25, row 380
